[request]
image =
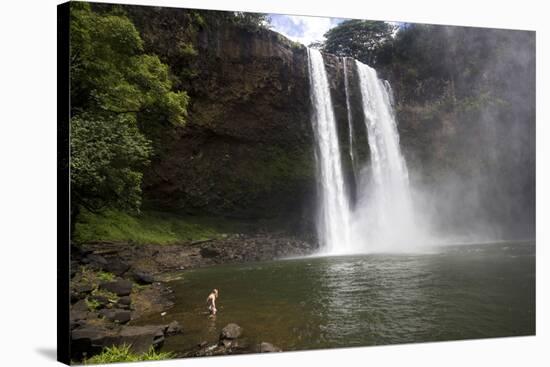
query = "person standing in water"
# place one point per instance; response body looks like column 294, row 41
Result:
column 211, row 301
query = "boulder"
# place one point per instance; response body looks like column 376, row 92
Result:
column 231, row 331
column 101, row 300
column 96, row 260
column 80, row 306
column 84, row 288
column 116, row 266
column 126, row 300
column 78, row 252
column 173, row 328
column 202, row 344
column 75, row 297
column 120, row 287
column 226, row 343
column 116, row 315
column 90, row 340
column 79, row 315
column 141, row 338
column 78, row 318
column 143, row 278
column 265, row 347
column 124, row 303
column 209, row 252
column 239, row 346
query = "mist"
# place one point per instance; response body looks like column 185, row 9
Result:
column 472, row 166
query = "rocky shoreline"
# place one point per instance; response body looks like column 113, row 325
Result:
column 115, row 284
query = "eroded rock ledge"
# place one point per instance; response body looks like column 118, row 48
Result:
column 136, row 261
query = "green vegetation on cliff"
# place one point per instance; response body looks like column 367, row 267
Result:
column 107, row 157
column 147, row 227
column 129, row 81
column 116, row 90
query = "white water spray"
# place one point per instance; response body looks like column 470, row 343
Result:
column 334, row 215
column 384, row 219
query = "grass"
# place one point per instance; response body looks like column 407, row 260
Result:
column 95, row 277
column 92, row 304
column 146, row 228
column 112, row 297
column 123, row 353
column 140, row 287
column 105, row 276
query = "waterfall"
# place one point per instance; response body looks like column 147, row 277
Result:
column 333, row 223
column 350, row 120
column 385, row 217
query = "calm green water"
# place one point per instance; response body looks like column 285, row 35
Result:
column 458, row 292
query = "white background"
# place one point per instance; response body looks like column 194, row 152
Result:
column 28, row 182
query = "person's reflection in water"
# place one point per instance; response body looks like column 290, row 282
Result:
column 211, row 324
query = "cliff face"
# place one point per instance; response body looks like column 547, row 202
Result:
column 247, row 149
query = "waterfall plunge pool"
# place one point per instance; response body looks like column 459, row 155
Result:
column 452, row 292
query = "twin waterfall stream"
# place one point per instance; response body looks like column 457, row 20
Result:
column 382, row 218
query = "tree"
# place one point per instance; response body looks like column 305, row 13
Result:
column 117, row 93
column 251, row 21
column 110, row 74
column 107, row 157
column 360, row 39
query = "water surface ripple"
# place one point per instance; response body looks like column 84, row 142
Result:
column 456, row 292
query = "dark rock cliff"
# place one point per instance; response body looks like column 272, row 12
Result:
column 247, row 149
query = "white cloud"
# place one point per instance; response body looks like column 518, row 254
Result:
column 303, row 29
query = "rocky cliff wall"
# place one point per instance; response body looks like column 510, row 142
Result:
column 247, row 149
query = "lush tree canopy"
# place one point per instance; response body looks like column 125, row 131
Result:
column 360, row 39
column 111, row 74
column 115, row 89
column 107, row 156
column 249, row 21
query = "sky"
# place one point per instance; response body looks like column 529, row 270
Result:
column 303, row 29
column 307, row 29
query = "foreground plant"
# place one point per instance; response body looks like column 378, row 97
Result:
column 124, row 354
